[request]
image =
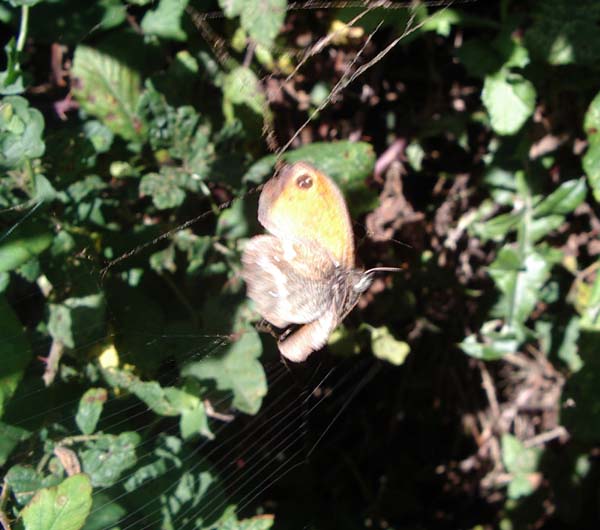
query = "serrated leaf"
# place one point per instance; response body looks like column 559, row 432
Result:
column 236, row 369
column 21, row 129
column 241, row 88
column 109, row 90
column 90, row 409
column 165, row 20
column 62, row 507
column 509, row 99
column 105, row 459
column 261, row 19
column 163, row 188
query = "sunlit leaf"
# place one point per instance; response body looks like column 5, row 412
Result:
column 21, row 129
column 509, row 99
column 236, row 369
column 108, row 89
column 90, row 409
column 262, row 19
column 386, row 347
column 106, row 458
column 62, row 507
column 165, row 20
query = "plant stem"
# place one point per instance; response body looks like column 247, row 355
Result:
column 23, row 28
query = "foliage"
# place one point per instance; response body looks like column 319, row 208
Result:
column 133, row 135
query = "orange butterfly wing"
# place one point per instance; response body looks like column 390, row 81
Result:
column 301, row 203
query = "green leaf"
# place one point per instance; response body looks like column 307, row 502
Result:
column 27, row 241
column 591, row 159
column 76, row 321
column 106, row 513
column 62, row 507
column 241, row 88
column 19, row 3
column 580, row 412
column 539, row 228
column 15, row 353
column 516, row 457
column 229, row 521
column 108, row 89
column 21, row 131
column 519, row 279
column 261, row 19
column 10, row 437
column 11, row 79
column 591, row 166
column 521, row 463
column 565, row 32
column 163, row 188
column 99, row 135
column 568, row 351
column 105, row 459
column 184, row 490
column 165, row 20
column 165, row 401
column 233, row 221
column 521, row 485
column 385, row 346
column 563, row 200
column 492, row 344
column 236, row 369
column 509, row 99
column 590, row 313
column 90, row 409
column 498, row 227
column 25, row 481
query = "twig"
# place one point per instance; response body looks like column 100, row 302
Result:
column 52, row 361
column 540, row 439
column 490, row 390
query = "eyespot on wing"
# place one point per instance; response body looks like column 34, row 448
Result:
column 303, row 203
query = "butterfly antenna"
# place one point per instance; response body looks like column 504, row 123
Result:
column 382, row 269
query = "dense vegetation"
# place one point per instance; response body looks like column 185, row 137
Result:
column 135, row 389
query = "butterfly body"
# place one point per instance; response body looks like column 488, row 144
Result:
column 303, row 272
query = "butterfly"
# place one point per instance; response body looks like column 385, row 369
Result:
column 302, row 274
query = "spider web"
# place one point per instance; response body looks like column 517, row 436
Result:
column 297, row 421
